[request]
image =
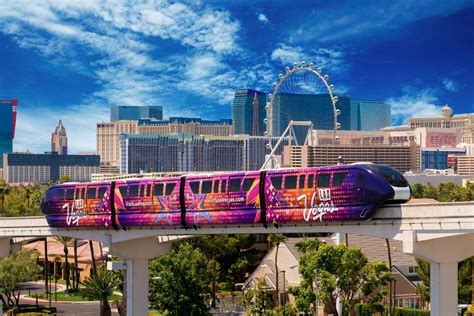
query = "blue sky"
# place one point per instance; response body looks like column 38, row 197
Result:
column 74, row 59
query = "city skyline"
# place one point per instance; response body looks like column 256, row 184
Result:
column 75, row 60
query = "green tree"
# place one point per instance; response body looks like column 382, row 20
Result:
column 101, row 286
column 417, row 190
column 4, row 190
column 14, row 269
column 258, row 301
column 465, row 285
column 275, row 240
column 64, row 179
column 423, row 287
column 345, row 272
column 183, row 276
column 232, row 256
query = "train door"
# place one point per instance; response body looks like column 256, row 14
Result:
column 91, row 199
column 323, row 186
column 198, row 209
column 165, row 198
column 243, row 197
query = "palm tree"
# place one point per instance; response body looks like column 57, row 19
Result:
column 100, row 287
column 275, row 240
column 65, row 241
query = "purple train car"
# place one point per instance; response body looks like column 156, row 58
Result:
column 285, row 196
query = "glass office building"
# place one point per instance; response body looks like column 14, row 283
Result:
column 370, row 115
column 134, row 113
column 309, row 107
column 7, row 126
column 242, row 111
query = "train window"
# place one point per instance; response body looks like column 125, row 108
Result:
column 132, row 191
column 223, row 186
column 206, row 187
column 290, row 182
column 338, row 178
column 394, row 177
column 123, row 191
column 158, row 189
column 194, row 187
column 216, row 186
column 169, row 188
column 83, row 193
column 247, row 184
column 360, row 180
column 148, row 190
column 49, row 195
column 101, row 192
column 301, row 184
column 70, row 194
column 276, row 182
column 61, row 194
column 324, row 180
column 91, row 193
column 310, row 180
column 142, row 191
column 234, row 184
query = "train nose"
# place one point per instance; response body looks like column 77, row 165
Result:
column 401, row 193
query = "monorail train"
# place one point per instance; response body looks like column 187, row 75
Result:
column 271, row 197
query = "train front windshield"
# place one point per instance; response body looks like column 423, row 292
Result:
column 393, row 176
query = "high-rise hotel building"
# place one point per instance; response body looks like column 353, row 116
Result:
column 108, row 134
column 59, row 140
column 8, row 110
column 244, row 115
column 127, row 112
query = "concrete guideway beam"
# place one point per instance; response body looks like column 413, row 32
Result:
column 136, row 254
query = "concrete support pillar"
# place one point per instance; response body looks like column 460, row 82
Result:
column 5, row 247
column 137, row 287
column 340, row 238
column 137, row 252
column 443, row 253
column 443, row 288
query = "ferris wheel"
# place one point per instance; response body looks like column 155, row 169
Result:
column 284, row 109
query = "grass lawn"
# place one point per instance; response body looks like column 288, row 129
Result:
column 74, row 297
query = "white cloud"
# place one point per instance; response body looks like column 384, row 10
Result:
column 413, row 103
column 366, row 18
column 115, row 36
column 330, row 60
column 450, row 85
column 263, row 18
